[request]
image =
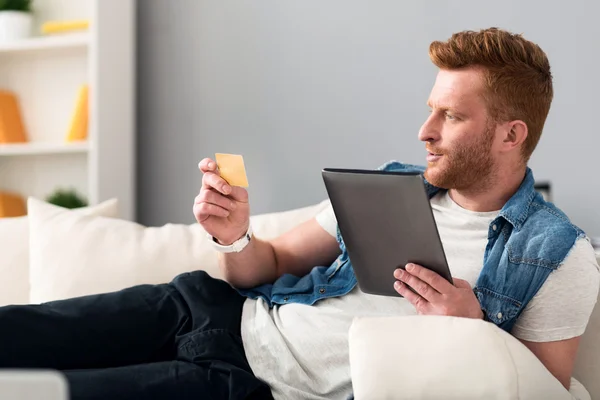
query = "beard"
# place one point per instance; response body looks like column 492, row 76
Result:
column 463, row 167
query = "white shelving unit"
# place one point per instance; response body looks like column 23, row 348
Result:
column 46, row 72
column 63, row 41
column 38, row 149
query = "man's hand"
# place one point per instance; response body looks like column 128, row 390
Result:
column 221, row 209
column 435, row 295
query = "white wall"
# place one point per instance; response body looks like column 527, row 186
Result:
column 296, row 86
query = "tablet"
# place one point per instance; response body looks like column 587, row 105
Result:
column 386, row 221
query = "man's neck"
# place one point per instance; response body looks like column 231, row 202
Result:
column 490, row 196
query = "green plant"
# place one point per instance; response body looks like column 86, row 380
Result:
column 15, row 5
column 67, row 198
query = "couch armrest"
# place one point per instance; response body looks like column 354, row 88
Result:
column 33, row 384
column 434, row 357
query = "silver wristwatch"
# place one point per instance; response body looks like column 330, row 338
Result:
column 234, row 247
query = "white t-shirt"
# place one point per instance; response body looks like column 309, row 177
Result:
column 302, row 351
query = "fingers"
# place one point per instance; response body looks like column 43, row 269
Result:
column 204, row 210
column 417, row 301
column 461, row 283
column 211, row 203
column 431, row 278
column 421, row 287
column 207, row 165
column 212, row 180
column 217, row 199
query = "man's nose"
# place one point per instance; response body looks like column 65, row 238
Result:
column 430, row 130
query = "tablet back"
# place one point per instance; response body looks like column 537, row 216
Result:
column 386, row 221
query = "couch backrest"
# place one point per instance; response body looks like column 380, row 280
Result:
column 587, row 365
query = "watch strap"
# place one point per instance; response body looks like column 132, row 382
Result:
column 236, row 246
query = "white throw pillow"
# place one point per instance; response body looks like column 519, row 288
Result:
column 434, row 357
column 14, row 252
column 74, row 255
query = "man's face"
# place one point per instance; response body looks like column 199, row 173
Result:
column 458, row 134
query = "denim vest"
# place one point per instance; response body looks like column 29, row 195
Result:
column 527, row 241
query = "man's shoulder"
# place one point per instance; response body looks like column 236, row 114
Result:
column 546, row 236
column 583, row 255
column 548, row 217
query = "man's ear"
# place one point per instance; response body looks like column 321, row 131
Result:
column 515, row 133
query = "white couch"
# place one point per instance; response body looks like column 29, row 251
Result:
column 55, row 253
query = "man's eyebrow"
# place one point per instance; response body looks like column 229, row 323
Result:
column 437, row 106
column 442, row 107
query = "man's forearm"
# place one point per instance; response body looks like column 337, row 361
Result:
column 255, row 265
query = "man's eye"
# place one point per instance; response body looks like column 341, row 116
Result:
column 449, row 116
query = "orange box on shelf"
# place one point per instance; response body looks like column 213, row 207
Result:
column 12, row 128
column 12, row 205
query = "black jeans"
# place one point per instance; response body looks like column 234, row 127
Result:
column 172, row 341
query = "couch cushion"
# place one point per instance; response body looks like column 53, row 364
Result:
column 270, row 225
column 14, row 252
column 14, row 261
column 434, row 357
column 74, row 255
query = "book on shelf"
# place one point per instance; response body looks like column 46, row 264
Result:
column 12, row 128
column 12, row 205
column 78, row 130
column 64, row 26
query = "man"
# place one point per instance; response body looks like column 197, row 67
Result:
column 280, row 322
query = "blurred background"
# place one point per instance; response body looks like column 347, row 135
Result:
column 293, row 86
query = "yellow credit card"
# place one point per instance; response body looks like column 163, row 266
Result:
column 231, row 168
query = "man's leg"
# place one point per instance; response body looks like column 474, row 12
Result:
column 167, row 380
column 132, row 326
column 210, row 361
column 214, row 345
column 194, row 322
